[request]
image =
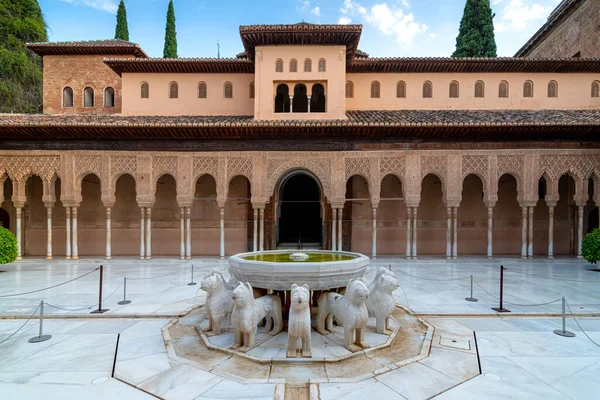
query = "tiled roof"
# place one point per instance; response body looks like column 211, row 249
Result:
column 181, row 65
column 109, row 46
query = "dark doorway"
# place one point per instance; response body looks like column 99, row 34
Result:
column 282, row 99
column 4, row 219
column 300, row 104
column 317, row 100
column 300, row 212
column 592, row 220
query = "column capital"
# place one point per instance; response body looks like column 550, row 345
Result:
column 337, row 205
column 146, row 204
column 490, row 203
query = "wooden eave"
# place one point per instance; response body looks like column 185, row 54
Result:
column 181, row 65
column 59, row 50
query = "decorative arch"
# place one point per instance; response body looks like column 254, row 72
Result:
column 279, row 65
column 479, row 89
column 196, row 177
column 144, row 90
column 503, row 89
column 280, row 168
column 322, row 65
column 202, row 90
column 83, row 175
column 427, row 90
column 157, row 177
column 88, row 97
column 528, row 89
column 293, row 65
column 116, row 177
column 173, row 90
column 375, row 90
column 228, row 90
column 401, row 90
column 552, row 89
column 67, row 99
column 454, row 90
column 308, row 65
column 395, row 175
column 109, row 97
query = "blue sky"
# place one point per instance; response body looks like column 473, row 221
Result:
column 391, row 28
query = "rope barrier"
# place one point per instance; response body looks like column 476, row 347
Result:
column 51, row 287
column 17, row 331
column 160, row 276
column 546, row 277
column 577, row 322
column 430, row 279
column 88, row 307
column 516, row 304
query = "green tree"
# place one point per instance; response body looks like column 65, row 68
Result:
column 21, row 21
column 122, row 31
column 170, row 50
column 476, row 34
column 590, row 247
column 8, row 246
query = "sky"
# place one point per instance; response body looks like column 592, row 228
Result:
column 391, row 28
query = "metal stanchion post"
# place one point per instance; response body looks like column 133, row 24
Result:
column 471, row 298
column 563, row 331
column 501, row 309
column 192, row 283
column 100, row 310
column 125, row 301
column 40, row 337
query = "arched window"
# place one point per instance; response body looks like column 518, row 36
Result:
column 401, row 90
column 279, row 65
column 552, row 89
column 375, row 90
column 503, row 89
column 322, row 65
column 88, row 97
column 454, row 90
column 144, row 90
column 228, row 90
column 308, row 65
column 202, row 92
column 173, row 90
column 68, row 97
column 427, row 90
column 109, row 97
column 596, row 89
column 349, row 90
column 317, row 99
column 251, row 90
column 293, row 65
column 528, row 89
column 282, row 99
column 479, row 89
column 300, row 101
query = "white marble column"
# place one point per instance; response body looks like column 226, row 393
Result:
column 188, row 238
column 551, row 232
column 490, row 233
column 142, row 219
column 26, row 223
column 340, row 242
column 19, row 211
column 74, row 235
column 148, row 233
column 374, row 235
column 261, row 212
column 182, row 233
column 255, row 228
column 68, row 229
column 449, row 233
column 579, row 231
column 408, row 232
column 530, row 234
column 524, row 233
column 49, row 235
column 108, row 233
column 455, row 233
column 415, row 228
column 222, row 229
column 334, row 229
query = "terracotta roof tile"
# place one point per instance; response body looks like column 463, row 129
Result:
column 181, row 65
column 108, row 46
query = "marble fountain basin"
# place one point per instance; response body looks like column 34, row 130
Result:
column 279, row 270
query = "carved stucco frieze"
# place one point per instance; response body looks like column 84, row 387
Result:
column 278, row 167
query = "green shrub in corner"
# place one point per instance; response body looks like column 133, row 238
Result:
column 590, row 248
column 8, row 246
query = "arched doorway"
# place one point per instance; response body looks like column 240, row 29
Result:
column 300, row 102
column 300, row 217
column 4, row 219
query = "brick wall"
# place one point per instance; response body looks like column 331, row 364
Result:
column 579, row 32
column 78, row 72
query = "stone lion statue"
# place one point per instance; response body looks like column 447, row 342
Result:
column 219, row 303
column 248, row 312
column 350, row 309
column 299, row 321
column 381, row 303
column 380, row 271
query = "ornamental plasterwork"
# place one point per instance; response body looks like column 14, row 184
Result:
column 205, row 165
column 21, row 167
column 88, row 164
column 359, row 166
column 510, row 164
column 433, row 165
column 478, row 165
column 123, row 165
column 164, row 165
column 319, row 167
column 239, row 166
column 582, row 166
column 392, row 165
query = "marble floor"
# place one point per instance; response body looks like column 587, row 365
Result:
column 520, row 357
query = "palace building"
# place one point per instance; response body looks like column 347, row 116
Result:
column 302, row 139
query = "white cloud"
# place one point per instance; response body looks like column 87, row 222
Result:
column 432, row 35
column 303, row 6
column 388, row 20
column 519, row 14
column 316, row 11
column 344, row 20
column 110, row 6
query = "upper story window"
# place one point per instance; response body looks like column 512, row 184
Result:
column 454, row 90
column 202, row 92
column 375, row 90
column 88, row 97
column 349, row 90
column 401, row 90
column 251, row 90
column 308, row 65
column 144, row 90
column 279, row 65
column 479, row 89
column 228, row 90
column 322, row 65
column 503, row 89
column 596, row 89
column 109, row 97
column 173, row 90
column 293, row 65
column 552, row 89
column 67, row 97
column 528, row 89
column 427, row 90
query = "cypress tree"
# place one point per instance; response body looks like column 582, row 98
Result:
column 170, row 50
column 21, row 21
column 122, row 31
column 476, row 33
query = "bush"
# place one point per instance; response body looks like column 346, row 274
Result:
column 590, row 248
column 8, row 246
